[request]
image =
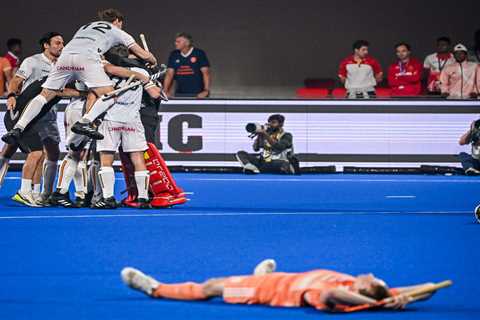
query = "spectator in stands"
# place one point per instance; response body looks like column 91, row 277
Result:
column 360, row 73
column 404, row 76
column 5, row 75
column 14, row 46
column 460, row 80
column 189, row 68
column 474, row 54
column 471, row 162
column 435, row 63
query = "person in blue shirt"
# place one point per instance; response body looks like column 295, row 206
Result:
column 189, row 68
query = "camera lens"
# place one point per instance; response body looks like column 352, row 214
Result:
column 251, row 128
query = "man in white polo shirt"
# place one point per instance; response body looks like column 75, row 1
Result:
column 360, row 73
column 436, row 62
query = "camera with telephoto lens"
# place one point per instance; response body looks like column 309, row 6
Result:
column 475, row 133
column 255, row 128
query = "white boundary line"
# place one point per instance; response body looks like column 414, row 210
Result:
column 466, row 180
column 227, row 214
column 400, row 197
column 469, row 180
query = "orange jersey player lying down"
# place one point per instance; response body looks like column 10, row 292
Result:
column 321, row 289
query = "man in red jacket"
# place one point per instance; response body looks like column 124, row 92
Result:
column 404, row 75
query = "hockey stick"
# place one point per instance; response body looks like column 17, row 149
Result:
column 163, row 94
column 412, row 294
column 132, row 85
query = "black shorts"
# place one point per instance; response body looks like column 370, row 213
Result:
column 43, row 129
column 30, row 140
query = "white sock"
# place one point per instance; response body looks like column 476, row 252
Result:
column 97, row 109
column 26, row 185
column 32, row 110
column 37, row 188
column 107, row 180
column 66, row 172
column 49, row 172
column 142, row 178
column 80, row 180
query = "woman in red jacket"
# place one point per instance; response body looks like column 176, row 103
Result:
column 404, row 76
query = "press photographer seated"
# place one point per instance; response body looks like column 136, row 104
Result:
column 275, row 146
column 471, row 162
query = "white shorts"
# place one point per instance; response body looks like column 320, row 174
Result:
column 131, row 136
column 82, row 67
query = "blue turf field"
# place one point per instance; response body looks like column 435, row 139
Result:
column 65, row 264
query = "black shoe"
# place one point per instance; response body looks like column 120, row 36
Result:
column 87, row 202
column 108, row 203
column 58, row 199
column 87, row 129
column 144, row 204
column 79, row 202
column 12, row 136
column 44, row 200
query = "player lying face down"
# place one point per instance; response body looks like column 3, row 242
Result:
column 321, row 289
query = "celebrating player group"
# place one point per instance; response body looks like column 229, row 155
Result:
column 109, row 78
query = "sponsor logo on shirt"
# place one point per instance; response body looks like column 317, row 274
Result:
column 185, row 71
column 122, row 129
column 70, row 68
column 125, row 103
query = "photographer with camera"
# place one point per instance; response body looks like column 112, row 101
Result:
column 276, row 148
column 471, row 162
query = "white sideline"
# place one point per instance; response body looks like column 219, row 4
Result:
column 467, row 180
column 332, row 180
column 400, row 197
column 227, row 214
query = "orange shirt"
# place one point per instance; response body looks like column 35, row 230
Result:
column 4, row 68
column 285, row 289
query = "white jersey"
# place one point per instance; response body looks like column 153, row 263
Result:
column 127, row 107
column 34, row 68
column 97, row 38
column 435, row 65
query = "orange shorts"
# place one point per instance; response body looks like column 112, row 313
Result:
column 241, row 289
column 271, row 289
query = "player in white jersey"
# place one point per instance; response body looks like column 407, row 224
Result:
column 33, row 69
column 122, row 127
column 73, row 166
column 81, row 60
